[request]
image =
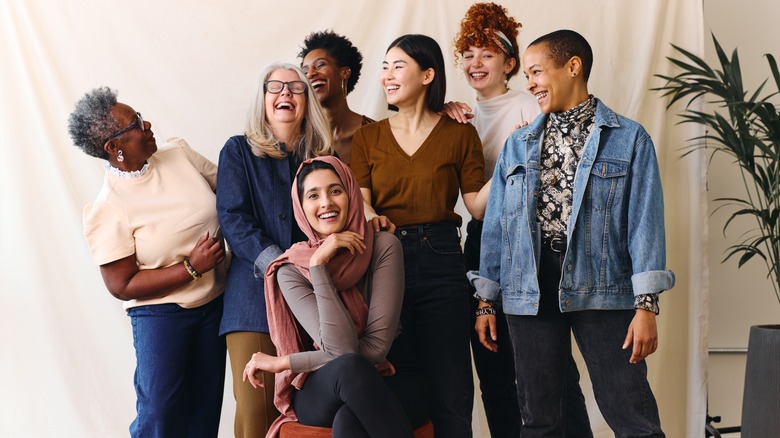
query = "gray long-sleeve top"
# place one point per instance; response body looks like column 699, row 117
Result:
column 317, row 306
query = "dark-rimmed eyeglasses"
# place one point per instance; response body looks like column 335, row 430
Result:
column 276, row 87
column 139, row 123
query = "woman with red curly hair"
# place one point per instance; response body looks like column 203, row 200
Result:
column 487, row 50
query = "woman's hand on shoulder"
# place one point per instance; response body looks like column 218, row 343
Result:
column 207, row 253
column 458, row 111
column 381, row 223
column 520, row 125
column 261, row 362
column 349, row 240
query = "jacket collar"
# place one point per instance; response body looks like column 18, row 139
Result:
column 605, row 117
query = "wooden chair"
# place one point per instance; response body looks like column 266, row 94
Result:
column 297, row 430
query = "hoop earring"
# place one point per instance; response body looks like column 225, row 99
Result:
column 344, row 86
column 119, row 156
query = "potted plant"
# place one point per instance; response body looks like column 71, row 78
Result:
column 746, row 127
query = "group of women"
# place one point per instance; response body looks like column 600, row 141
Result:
column 344, row 284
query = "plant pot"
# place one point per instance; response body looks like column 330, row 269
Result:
column 761, row 401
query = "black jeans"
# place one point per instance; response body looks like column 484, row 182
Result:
column 542, row 362
column 349, row 395
column 496, row 371
column 434, row 339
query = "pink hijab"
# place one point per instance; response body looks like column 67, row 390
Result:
column 345, row 270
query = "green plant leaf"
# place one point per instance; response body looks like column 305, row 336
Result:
column 744, row 126
column 773, row 67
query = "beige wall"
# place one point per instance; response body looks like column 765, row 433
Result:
column 738, row 298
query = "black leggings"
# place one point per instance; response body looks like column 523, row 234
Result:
column 349, row 395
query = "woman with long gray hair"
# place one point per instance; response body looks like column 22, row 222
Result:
column 285, row 126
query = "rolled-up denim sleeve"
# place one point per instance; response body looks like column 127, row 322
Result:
column 269, row 254
column 652, row 282
column 646, row 233
column 487, row 289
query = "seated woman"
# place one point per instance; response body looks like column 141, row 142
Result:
column 153, row 231
column 344, row 287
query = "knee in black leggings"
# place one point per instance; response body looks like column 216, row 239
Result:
column 349, row 395
column 356, row 370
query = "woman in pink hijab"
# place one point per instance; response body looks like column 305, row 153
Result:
column 333, row 308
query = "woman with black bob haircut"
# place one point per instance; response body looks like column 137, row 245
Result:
column 332, row 65
column 427, row 53
column 411, row 168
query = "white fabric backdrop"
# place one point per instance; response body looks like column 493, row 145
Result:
column 67, row 360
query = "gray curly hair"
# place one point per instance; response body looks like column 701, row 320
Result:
column 91, row 121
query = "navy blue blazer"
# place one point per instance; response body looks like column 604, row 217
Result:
column 254, row 206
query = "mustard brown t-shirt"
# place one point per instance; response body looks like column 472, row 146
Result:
column 422, row 188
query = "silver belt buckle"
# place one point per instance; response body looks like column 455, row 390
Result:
column 557, row 244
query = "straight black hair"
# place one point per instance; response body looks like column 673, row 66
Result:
column 426, row 52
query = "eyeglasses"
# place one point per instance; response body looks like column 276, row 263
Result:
column 139, row 122
column 276, row 87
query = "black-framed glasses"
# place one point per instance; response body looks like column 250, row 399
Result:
column 139, row 122
column 276, row 87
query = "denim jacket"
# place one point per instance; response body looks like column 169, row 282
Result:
column 254, row 206
column 616, row 245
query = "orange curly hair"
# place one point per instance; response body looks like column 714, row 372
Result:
column 477, row 29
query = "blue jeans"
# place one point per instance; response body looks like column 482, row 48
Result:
column 434, row 339
column 496, row 371
column 542, row 351
column 180, row 370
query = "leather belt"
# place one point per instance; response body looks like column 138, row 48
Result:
column 555, row 243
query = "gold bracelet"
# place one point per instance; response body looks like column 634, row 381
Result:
column 191, row 270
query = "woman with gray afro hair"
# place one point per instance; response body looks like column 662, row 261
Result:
column 91, row 121
column 154, row 233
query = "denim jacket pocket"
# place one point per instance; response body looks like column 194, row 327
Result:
column 515, row 191
column 607, row 182
column 516, row 211
column 607, row 236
